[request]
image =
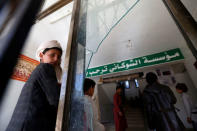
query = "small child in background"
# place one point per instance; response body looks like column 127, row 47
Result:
column 182, row 89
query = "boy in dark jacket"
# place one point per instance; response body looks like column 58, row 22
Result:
column 159, row 103
column 37, row 105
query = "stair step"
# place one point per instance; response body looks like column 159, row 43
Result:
column 135, row 129
column 130, row 119
column 135, row 122
column 134, row 115
column 139, row 125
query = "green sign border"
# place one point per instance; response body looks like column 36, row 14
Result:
column 149, row 60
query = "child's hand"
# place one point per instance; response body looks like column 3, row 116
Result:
column 189, row 120
column 120, row 113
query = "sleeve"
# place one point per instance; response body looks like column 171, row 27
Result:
column 145, row 99
column 95, row 110
column 49, row 84
column 172, row 96
column 187, row 105
column 149, row 109
column 97, row 125
column 116, row 106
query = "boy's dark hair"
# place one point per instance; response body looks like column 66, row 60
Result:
column 151, row 78
column 88, row 83
column 182, row 86
column 52, row 48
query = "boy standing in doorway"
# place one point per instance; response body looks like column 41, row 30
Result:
column 119, row 116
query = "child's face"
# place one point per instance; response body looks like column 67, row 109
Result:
column 179, row 91
column 52, row 56
column 91, row 91
column 119, row 90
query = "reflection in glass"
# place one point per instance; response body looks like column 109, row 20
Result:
column 102, row 17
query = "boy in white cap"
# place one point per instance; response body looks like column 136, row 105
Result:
column 40, row 54
column 37, row 105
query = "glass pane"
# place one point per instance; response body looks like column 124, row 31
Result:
column 148, row 30
column 102, row 17
column 78, row 121
column 77, row 106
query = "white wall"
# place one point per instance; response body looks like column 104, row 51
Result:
column 189, row 64
column 105, row 95
column 151, row 30
column 9, row 101
column 45, row 30
column 191, row 7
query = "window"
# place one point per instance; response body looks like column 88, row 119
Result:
column 136, row 83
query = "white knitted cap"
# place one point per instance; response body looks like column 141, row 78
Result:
column 48, row 44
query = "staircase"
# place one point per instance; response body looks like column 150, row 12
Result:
column 135, row 119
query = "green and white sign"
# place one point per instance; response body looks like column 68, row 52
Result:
column 159, row 58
